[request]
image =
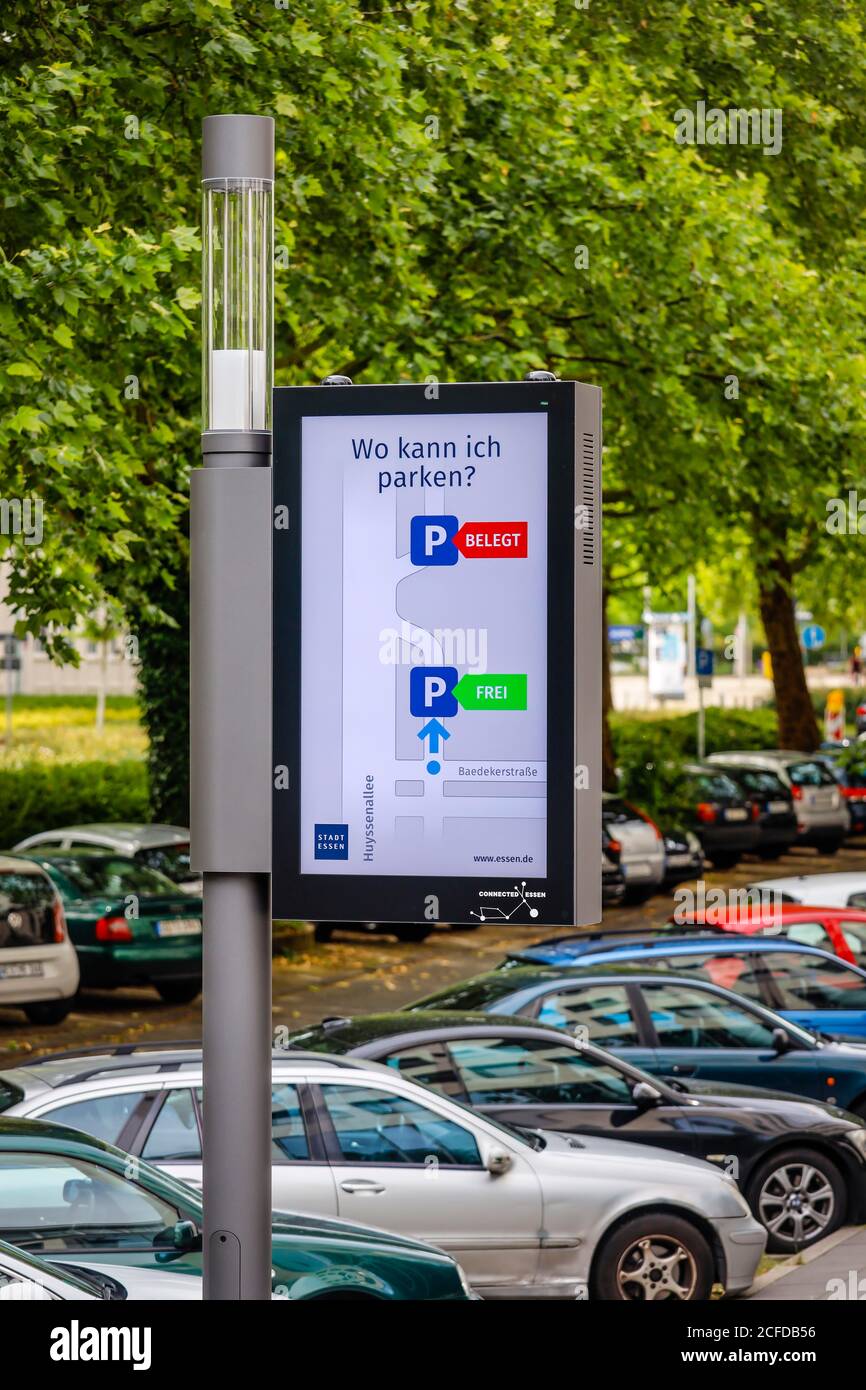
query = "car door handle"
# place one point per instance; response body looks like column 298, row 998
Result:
column 361, row 1185
column 680, row 1069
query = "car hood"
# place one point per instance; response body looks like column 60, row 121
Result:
column 721, row 1093
column 652, row 1171
column 140, row 1282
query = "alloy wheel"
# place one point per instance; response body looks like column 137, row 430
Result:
column 796, row 1202
column 656, row 1267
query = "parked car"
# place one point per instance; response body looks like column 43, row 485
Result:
column 671, row 1027
column 860, row 717
column 841, row 930
column 161, row 847
column 851, row 778
column 612, row 877
column 818, row 890
column 404, row 931
column 640, row 845
column 772, row 805
column 130, row 924
column 541, row 1078
column 802, row 983
column 822, row 816
column 38, row 965
column 724, row 818
column 30, row 1279
column 69, row 1198
column 527, row 1215
column 684, row 856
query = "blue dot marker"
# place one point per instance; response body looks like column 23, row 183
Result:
column 433, row 766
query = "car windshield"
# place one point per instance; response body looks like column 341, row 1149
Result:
column 26, row 908
column 110, row 875
column 472, row 996
column 716, row 786
column 764, row 783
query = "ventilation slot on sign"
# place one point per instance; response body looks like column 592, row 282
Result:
column 588, row 499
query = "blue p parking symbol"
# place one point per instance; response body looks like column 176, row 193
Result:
column 432, row 540
column 430, row 691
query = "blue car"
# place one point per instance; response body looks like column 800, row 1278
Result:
column 802, row 983
column 696, row 1033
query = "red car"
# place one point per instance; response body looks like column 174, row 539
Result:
column 838, row 929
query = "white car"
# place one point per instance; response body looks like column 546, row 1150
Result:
column 26, row 1278
column 640, row 843
column 817, row 890
column 38, row 965
column 526, row 1214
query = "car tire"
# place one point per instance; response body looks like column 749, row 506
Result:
column 323, row 931
column 770, row 854
column 49, row 1011
column 767, row 1192
column 633, row 897
column 178, row 991
column 831, row 846
column 724, row 860
column 411, row 931
column 629, row 1265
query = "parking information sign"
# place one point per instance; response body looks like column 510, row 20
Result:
column 428, row 760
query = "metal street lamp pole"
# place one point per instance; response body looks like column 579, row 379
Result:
column 230, row 677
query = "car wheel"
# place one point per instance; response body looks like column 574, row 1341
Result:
column 323, row 931
column 769, row 854
column 724, row 861
column 178, row 991
column 799, row 1196
column 411, row 931
column 830, row 847
column 52, row 1011
column 633, row 897
column 656, row 1256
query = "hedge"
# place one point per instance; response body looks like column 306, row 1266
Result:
column 40, row 796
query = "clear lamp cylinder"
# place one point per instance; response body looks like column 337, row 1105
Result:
column 237, row 299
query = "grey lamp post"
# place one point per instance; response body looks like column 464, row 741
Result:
column 230, row 677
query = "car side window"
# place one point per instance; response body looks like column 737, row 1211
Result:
column 855, row 936
column 685, row 1017
column 595, row 1013
column 174, row 1134
column 373, row 1126
column 289, row 1142
column 110, row 1118
column 813, row 982
column 738, row 972
column 809, row 934
column 54, row 1203
column 515, row 1071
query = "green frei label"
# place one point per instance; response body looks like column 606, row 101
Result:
column 491, row 692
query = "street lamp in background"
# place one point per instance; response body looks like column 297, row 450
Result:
column 230, row 700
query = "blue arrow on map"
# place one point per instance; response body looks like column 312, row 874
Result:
column 434, row 731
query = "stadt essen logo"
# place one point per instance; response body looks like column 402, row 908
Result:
column 331, row 842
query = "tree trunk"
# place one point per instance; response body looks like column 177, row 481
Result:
column 164, row 695
column 608, row 761
column 798, row 727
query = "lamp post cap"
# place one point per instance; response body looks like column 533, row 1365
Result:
column 541, row 376
column 336, row 380
column 237, row 147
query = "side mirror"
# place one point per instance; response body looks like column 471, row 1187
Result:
column 497, row 1162
column 642, row 1093
column 781, row 1041
column 185, row 1235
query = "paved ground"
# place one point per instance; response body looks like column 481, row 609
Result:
column 834, row 1271
column 353, row 974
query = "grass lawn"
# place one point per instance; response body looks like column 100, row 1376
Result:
column 62, row 728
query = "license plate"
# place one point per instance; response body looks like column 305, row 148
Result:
column 637, row 869
column 179, row 926
column 21, row 969
column 777, row 808
column 822, row 799
column 737, row 813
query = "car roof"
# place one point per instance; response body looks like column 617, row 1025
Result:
column 114, row 834
column 848, row 879
column 771, row 913
column 689, row 945
column 368, row 1029
column 20, row 864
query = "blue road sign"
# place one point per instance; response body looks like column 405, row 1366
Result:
column 703, row 661
column 813, row 637
column 624, row 632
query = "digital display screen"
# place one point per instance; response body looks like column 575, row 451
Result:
column 423, row 649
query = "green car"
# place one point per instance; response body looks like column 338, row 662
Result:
column 130, row 925
column 72, row 1199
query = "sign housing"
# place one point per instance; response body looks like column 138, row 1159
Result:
column 437, row 653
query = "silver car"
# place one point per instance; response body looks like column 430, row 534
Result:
column 641, row 846
column 822, row 816
column 527, row 1214
column 161, row 847
column 26, row 1278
